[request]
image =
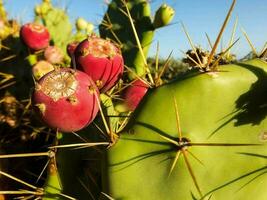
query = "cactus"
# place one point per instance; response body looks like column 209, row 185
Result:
column 202, row 136
column 21, row 132
column 116, row 26
column 217, row 148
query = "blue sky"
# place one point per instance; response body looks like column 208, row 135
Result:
column 200, row 17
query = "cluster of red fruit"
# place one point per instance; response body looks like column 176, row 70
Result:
column 68, row 99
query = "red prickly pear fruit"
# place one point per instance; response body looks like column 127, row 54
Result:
column 101, row 60
column 134, row 94
column 66, row 99
column 35, row 36
column 41, row 68
column 53, row 55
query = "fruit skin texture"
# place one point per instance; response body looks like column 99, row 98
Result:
column 71, row 47
column 101, row 60
column 229, row 103
column 35, row 36
column 135, row 93
column 72, row 111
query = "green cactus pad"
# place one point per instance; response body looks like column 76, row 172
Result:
column 216, row 110
column 116, row 26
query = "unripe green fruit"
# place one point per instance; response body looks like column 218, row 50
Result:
column 81, row 24
column 90, row 28
column 164, row 16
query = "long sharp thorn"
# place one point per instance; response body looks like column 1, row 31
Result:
column 80, row 137
column 79, row 145
column 126, row 86
column 220, row 33
column 17, row 180
column 157, row 62
column 23, row 155
column 200, row 64
column 106, row 195
column 191, row 172
column 249, row 42
column 102, row 115
column 164, row 68
column 18, row 192
column 42, row 172
column 223, row 144
column 86, row 188
column 8, row 58
column 223, row 53
column 190, row 58
column 177, row 119
column 67, row 196
column 174, row 162
column 232, row 36
column 169, row 140
column 195, row 157
column 209, row 41
column 135, row 74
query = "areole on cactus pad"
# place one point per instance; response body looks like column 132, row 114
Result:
column 202, row 136
column 66, row 99
column 101, row 60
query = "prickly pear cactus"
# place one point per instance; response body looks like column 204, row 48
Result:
column 59, row 25
column 202, row 136
column 76, row 172
column 57, row 22
column 116, row 26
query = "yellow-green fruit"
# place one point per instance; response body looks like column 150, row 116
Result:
column 90, row 28
column 81, row 24
column 164, row 16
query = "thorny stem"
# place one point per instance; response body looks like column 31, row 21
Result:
column 138, row 43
